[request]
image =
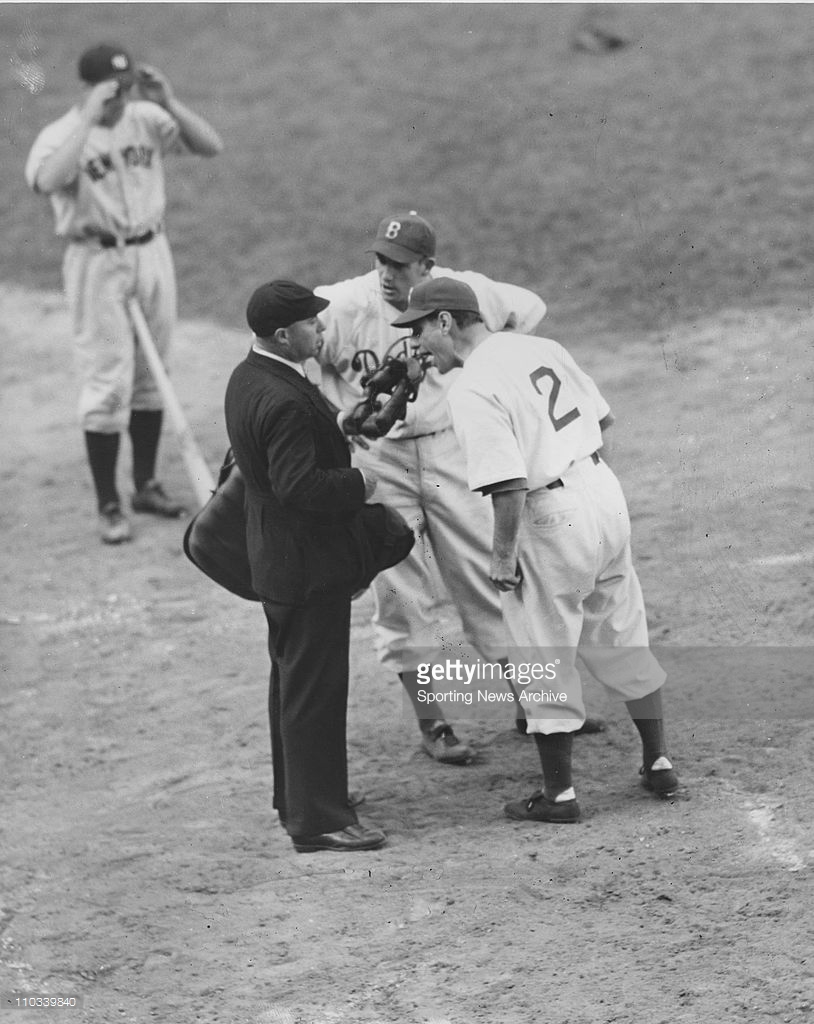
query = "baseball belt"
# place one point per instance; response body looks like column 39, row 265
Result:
column 558, row 483
column 107, row 240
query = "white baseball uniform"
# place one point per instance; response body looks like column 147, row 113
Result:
column 421, row 472
column 117, row 196
column 523, row 409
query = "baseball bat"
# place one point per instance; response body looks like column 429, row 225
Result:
column 201, row 479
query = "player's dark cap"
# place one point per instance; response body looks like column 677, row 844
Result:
column 280, row 304
column 104, row 61
column 405, row 238
column 434, row 295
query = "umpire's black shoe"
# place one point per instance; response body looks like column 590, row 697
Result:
column 660, row 778
column 355, row 798
column 589, row 727
column 538, row 807
column 152, row 497
column 346, row 840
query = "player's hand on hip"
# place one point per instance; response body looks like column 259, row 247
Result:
column 371, row 482
column 94, row 106
column 505, row 573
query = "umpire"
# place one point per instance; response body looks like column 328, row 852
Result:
column 312, row 542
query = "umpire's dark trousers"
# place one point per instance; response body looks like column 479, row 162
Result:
column 308, row 704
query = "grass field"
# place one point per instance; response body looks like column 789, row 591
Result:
column 663, row 181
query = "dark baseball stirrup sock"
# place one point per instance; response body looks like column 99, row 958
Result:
column 428, row 713
column 103, row 454
column 648, row 717
column 555, row 760
column 145, row 433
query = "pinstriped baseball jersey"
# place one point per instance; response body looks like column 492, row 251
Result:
column 120, row 184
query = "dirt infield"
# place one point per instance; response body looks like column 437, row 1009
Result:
column 145, row 872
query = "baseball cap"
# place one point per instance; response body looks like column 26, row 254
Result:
column 405, row 238
column 105, row 61
column 436, row 294
column 280, row 304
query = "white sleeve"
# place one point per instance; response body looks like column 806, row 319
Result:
column 340, row 319
column 163, row 125
column 601, row 407
column 501, row 304
column 47, row 142
column 484, row 431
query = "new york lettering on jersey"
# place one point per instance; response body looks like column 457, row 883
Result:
column 131, row 156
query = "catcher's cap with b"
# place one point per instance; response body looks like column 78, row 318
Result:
column 434, row 295
column 404, row 239
column 280, row 304
column 105, row 61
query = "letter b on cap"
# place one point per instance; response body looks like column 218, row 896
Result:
column 393, row 229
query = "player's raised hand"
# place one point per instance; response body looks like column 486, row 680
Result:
column 153, row 85
column 94, row 106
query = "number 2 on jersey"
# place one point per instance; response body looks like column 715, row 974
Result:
column 558, row 422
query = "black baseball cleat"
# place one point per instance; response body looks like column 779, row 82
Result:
column 589, row 727
column 152, row 497
column 345, row 840
column 538, row 807
column 660, row 778
column 442, row 745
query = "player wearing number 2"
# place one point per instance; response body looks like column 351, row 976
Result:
column 533, row 427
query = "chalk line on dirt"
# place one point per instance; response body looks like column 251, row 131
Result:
column 23, row 972
column 784, row 841
column 796, row 559
column 783, row 847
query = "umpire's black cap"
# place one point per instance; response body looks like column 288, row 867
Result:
column 280, row 304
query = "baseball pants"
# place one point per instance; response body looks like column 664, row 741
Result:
column 580, row 595
column 424, row 478
column 114, row 373
column 308, row 701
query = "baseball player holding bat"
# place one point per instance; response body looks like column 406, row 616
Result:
column 419, row 464
column 102, row 166
column 533, row 428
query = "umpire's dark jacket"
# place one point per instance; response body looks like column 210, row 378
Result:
column 309, row 533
